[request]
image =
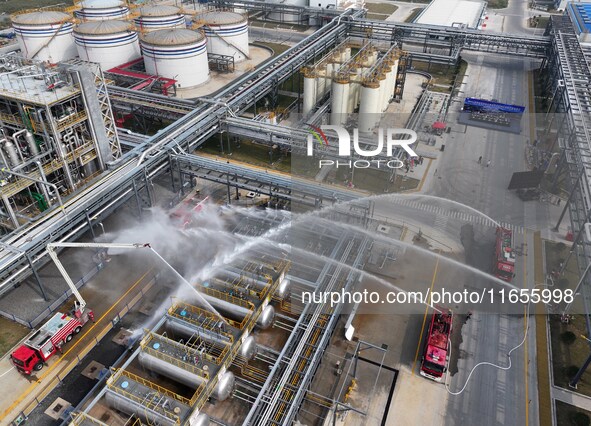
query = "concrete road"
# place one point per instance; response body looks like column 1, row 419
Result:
column 514, row 18
column 494, row 396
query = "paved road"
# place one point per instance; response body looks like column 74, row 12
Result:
column 493, row 397
column 514, row 18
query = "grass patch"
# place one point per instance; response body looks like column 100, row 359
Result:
column 497, row 4
column 538, row 22
column 377, row 16
column 569, row 415
column 277, row 48
column 371, row 180
column 567, row 354
column 250, row 153
column 12, row 6
column 12, row 333
column 443, row 76
column 273, row 25
column 382, row 8
column 413, row 15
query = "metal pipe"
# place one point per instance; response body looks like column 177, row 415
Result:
column 10, row 211
column 59, row 148
column 43, row 188
column 51, row 185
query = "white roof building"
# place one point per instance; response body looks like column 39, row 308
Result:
column 453, row 13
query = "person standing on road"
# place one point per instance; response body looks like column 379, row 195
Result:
column 488, row 163
column 480, row 160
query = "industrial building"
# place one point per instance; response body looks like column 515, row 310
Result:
column 580, row 15
column 58, row 132
column 453, row 13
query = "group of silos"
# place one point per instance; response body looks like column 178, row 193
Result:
column 110, row 36
column 364, row 80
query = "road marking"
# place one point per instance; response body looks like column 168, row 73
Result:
column 525, row 331
column 59, row 361
column 425, row 316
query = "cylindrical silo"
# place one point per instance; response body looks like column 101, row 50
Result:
column 99, row 10
column 339, row 101
column 226, row 32
column 369, row 112
column 351, row 98
column 176, row 53
column 45, row 35
column 159, row 17
column 394, row 76
column 288, row 17
column 328, row 77
column 389, row 84
column 310, row 91
column 108, row 43
column 320, row 82
column 383, row 91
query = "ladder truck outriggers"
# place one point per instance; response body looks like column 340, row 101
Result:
column 61, row 328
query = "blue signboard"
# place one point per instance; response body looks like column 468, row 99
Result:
column 474, row 104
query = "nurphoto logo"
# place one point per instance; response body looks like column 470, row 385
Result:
column 373, row 153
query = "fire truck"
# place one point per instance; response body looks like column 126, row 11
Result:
column 183, row 214
column 60, row 329
column 504, row 262
column 49, row 339
column 434, row 362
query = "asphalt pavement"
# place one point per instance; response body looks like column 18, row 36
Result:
column 493, row 396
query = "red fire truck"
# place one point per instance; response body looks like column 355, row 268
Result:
column 504, row 266
column 434, row 362
column 49, row 339
column 183, row 214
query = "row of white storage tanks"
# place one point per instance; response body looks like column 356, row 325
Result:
column 169, row 49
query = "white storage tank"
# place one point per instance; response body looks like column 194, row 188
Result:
column 45, row 35
column 101, row 10
column 108, row 43
column 177, row 53
column 288, row 17
column 226, row 32
column 159, row 17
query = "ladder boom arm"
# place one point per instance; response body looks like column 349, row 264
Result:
column 51, row 251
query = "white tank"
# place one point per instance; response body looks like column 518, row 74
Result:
column 383, row 90
column 108, row 43
column 310, row 91
column 176, row 53
column 159, row 17
column 339, row 102
column 45, row 35
column 226, row 32
column 288, row 17
column 394, row 76
column 100, row 10
column 369, row 113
